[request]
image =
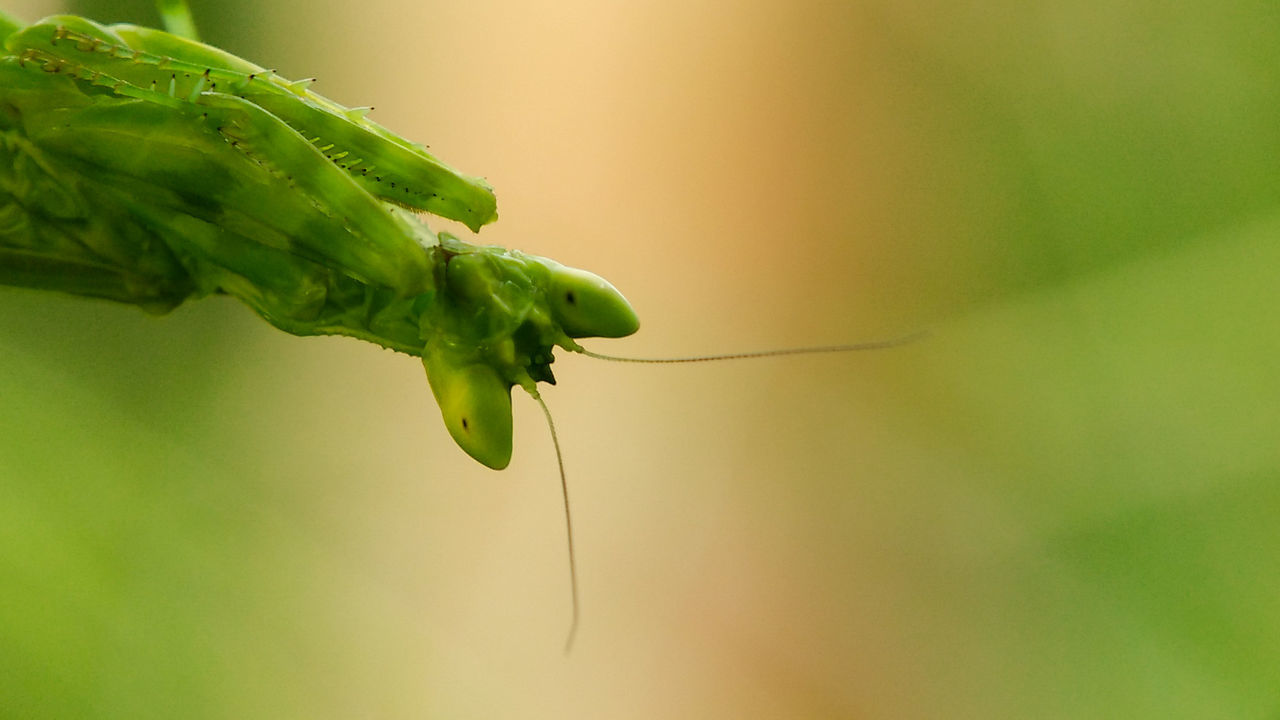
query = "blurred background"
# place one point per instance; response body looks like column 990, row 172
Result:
column 1061, row 504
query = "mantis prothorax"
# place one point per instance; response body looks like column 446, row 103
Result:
column 147, row 168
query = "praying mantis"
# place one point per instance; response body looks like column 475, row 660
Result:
column 149, row 169
column 144, row 167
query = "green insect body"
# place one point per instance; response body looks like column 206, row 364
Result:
column 146, row 168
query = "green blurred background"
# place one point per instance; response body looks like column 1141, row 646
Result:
column 1062, row 504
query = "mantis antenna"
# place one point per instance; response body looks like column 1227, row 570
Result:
column 568, row 523
column 815, row 350
column 555, row 440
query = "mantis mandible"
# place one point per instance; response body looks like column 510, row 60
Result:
column 144, row 167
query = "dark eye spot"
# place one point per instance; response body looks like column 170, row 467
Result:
column 465, row 424
column 570, row 298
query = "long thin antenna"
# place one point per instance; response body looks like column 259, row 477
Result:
column 568, row 524
column 853, row 347
column 555, row 438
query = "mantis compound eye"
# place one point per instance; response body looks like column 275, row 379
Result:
column 476, row 404
column 586, row 305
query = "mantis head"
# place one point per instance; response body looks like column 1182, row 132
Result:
column 494, row 324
